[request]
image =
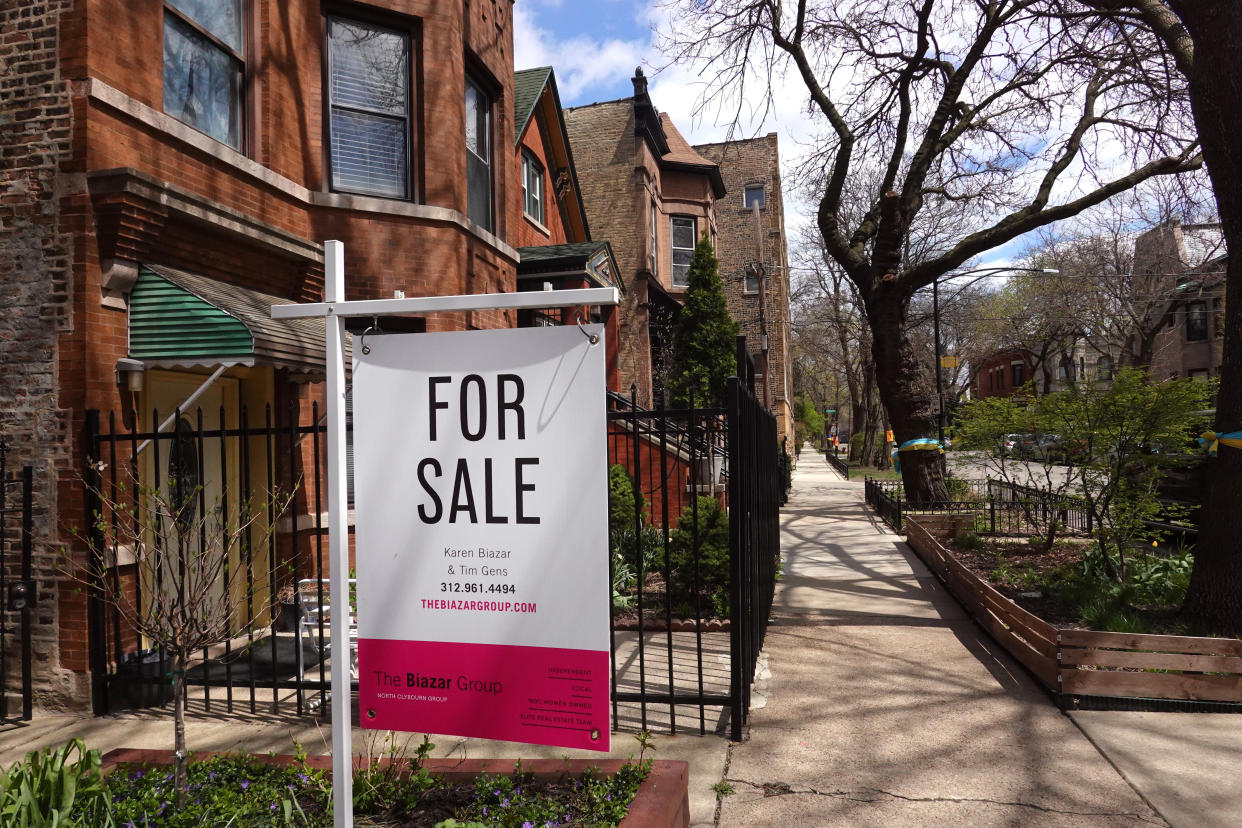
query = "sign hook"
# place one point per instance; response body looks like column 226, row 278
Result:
column 592, row 338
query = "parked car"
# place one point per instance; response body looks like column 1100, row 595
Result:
column 1017, row 444
column 1044, row 447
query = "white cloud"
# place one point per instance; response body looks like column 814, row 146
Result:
column 580, row 62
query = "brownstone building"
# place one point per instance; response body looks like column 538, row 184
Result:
column 172, row 168
column 652, row 196
column 754, row 263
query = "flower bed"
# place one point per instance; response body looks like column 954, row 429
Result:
column 483, row 792
column 1072, row 662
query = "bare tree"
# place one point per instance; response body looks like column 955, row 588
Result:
column 189, row 574
column 1019, row 113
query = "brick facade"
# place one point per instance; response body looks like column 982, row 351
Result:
column 98, row 180
column 37, row 249
column 762, row 306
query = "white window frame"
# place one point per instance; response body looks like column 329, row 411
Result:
column 673, row 250
column 533, row 203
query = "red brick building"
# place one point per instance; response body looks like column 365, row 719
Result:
column 181, row 162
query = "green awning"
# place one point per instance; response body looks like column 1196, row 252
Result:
column 182, row 319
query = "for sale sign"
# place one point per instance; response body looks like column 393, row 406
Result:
column 481, row 535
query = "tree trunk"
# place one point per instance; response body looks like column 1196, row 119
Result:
column 910, row 412
column 1215, row 594
column 180, row 757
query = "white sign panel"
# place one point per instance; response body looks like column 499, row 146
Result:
column 480, row 469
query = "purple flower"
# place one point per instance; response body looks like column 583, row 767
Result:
column 528, row 824
column 272, row 807
column 245, row 784
column 484, row 810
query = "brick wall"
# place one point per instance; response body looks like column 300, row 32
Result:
column 95, row 173
column 525, row 232
column 746, row 163
column 36, row 250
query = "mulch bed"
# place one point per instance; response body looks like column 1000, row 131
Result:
column 1019, row 555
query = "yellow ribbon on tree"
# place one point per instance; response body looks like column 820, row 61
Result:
column 921, row 444
column 1212, row 441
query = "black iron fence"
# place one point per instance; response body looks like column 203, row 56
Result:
column 839, row 465
column 18, row 590
column 1000, row 508
column 693, row 577
column 693, row 557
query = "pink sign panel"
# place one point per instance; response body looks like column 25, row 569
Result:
column 539, row 695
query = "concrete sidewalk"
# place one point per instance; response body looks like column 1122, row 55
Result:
column 886, row 706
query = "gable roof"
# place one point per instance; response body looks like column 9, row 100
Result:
column 528, row 85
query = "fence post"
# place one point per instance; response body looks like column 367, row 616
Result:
column 737, row 570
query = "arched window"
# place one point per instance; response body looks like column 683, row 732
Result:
column 1104, row 368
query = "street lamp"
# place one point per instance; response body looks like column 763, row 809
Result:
column 978, row 271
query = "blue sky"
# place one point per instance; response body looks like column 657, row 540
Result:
column 594, row 46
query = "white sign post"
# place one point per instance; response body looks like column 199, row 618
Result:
column 335, row 310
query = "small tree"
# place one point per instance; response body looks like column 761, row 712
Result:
column 189, row 574
column 1111, row 448
column 705, row 336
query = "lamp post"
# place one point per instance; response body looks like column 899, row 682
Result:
column 978, row 271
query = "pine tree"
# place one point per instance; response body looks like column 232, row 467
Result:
column 705, row 336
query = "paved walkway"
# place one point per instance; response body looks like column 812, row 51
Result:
column 886, row 706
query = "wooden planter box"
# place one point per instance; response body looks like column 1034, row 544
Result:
column 662, row 800
column 1084, row 662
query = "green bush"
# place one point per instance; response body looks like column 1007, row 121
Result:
column 708, row 534
column 623, row 505
column 969, row 540
column 959, row 490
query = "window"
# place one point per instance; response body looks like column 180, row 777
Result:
column 652, row 257
column 1196, row 321
column 478, row 155
column 683, row 235
column 753, row 195
column 1218, row 318
column 1019, row 374
column 532, row 187
column 368, row 89
column 750, row 284
column 203, row 66
column 1104, row 368
column 1066, row 373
